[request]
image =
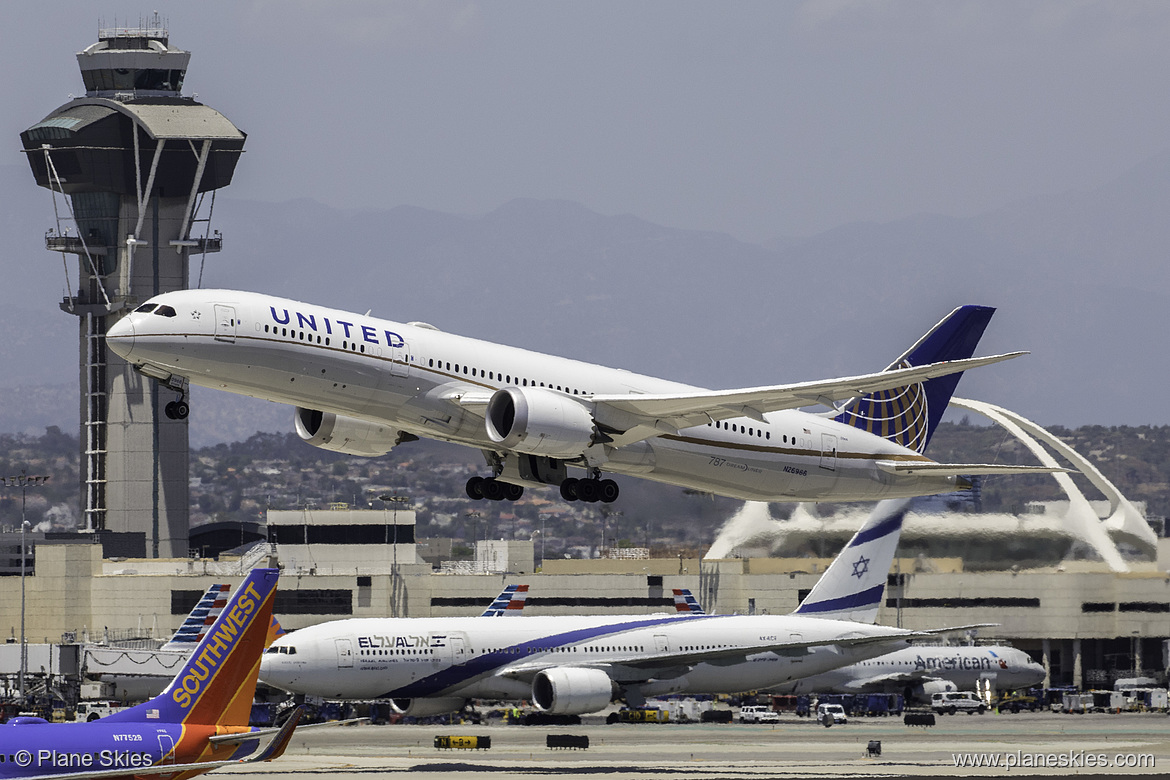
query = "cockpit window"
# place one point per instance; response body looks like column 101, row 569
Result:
column 146, row 308
column 166, row 311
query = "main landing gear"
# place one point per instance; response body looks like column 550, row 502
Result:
column 590, row 490
column 492, row 489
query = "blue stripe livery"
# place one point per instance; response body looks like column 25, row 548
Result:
column 852, row 587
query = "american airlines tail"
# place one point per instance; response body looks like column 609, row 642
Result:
column 908, row 415
column 202, row 617
column 509, row 603
column 216, row 685
column 853, row 585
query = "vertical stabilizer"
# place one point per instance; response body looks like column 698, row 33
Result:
column 908, row 415
column 217, row 683
column 202, row 617
column 853, row 585
column 509, row 602
column 685, row 601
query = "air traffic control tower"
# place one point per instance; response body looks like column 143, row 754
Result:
column 131, row 162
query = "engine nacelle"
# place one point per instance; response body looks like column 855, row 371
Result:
column 571, row 690
column 923, row 692
column 539, row 422
column 421, row 708
column 345, row 434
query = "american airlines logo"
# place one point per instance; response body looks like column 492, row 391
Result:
column 958, row 662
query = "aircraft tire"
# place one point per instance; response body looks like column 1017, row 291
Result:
column 475, row 488
column 588, row 491
column 169, row 410
column 569, row 489
column 493, row 490
column 181, row 410
column 609, row 491
column 512, row 492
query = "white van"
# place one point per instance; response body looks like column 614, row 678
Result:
column 950, row 702
column 834, row 712
column 758, row 713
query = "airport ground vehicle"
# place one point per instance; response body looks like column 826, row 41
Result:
column 758, row 713
column 1017, row 701
column 831, row 714
column 950, row 702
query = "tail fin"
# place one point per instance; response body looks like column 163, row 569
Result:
column 909, row 415
column 685, row 601
column 275, row 631
column 852, row 587
column 216, row 684
column 205, row 612
column 509, row 602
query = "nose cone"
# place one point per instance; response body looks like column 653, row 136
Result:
column 120, row 337
column 276, row 671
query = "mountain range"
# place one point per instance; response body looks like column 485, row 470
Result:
column 1079, row 278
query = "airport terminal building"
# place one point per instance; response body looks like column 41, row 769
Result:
column 1087, row 624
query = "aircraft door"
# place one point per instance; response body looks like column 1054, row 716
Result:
column 166, row 748
column 225, row 323
column 344, row 653
column 798, row 657
column 400, row 360
column 661, row 643
column 458, row 648
column 828, row 451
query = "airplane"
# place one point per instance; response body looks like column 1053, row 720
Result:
column 922, row 670
column 577, row 665
column 140, row 674
column 199, row 723
column 362, row 386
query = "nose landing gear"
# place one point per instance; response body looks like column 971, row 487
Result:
column 177, row 410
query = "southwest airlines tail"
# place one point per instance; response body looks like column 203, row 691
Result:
column 509, row 602
column 908, row 415
column 852, row 587
column 216, row 685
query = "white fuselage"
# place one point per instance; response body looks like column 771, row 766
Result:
column 478, row 657
column 412, row 377
column 965, row 667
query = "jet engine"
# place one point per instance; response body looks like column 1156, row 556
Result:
column 421, row 708
column 345, row 434
column 923, row 692
column 539, row 422
column 569, row 690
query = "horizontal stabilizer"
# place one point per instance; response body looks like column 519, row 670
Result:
column 923, row 468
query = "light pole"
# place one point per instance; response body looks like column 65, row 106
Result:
column 23, row 481
column 395, row 499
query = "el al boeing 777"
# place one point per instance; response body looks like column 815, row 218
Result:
column 576, row 665
column 362, row 385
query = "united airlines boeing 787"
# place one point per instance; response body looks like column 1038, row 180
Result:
column 363, row 385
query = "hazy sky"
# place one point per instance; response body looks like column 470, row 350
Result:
column 756, row 118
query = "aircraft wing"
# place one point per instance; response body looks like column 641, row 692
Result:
column 274, row 749
column 963, row 469
column 682, row 660
column 632, row 417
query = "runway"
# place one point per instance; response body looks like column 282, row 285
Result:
column 1086, row 745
